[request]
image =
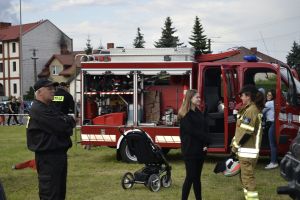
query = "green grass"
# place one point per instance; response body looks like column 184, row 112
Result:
column 95, row 174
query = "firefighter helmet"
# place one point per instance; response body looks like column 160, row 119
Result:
column 232, row 167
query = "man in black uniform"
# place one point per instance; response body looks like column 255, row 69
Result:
column 63, row 99
column 48, row 135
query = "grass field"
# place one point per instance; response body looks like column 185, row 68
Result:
column 95, row 175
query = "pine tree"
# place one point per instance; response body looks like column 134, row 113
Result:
column 293, row 58
column 198, row 39
column 139, row 39
column 167, row 39
column 89, row 49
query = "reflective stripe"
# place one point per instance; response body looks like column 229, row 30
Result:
column 167, row 139
column 247, row 127
column 96, row 138
column 28, row 122
column 248, row 152
column 258, row 132
column 58, row 98
column 252, row 195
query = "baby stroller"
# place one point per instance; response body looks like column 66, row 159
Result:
column 157, row 171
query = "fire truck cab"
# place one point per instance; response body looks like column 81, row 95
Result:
column 145, row 90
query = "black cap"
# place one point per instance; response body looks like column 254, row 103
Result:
column 43, row 83
column 249, row 89
column 64, row 84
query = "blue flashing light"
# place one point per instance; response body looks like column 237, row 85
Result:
column 251, row 58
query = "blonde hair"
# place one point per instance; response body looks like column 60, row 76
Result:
column 186, row 104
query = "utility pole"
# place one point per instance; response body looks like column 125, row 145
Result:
column 34, row 58
column 21, row 55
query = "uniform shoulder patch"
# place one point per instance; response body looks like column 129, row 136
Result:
column 246, row 120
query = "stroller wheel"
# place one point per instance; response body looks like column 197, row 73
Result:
column 165, row 182
column 154, row 183
column 127, row 181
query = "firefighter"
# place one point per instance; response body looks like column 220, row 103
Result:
column 63, row 99
column 48, row 135
column 247, row 139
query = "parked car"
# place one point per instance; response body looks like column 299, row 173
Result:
column 290, row 170
column 4, row 107
column 27, row 106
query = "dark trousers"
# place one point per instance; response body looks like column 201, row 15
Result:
column 15, row 118
column 193, row 168
column 52, row 175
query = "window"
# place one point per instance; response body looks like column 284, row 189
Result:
column 14, row 47
column 55, row 70
column 1, row 67
column 15, row 88
column 14, row 66
column 1, row 46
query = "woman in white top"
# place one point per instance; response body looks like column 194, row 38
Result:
column 269, row 114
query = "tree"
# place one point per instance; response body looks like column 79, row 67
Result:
column 167, row 39
column 139, row 39
column 198, row 39
column 293, row 58
column 89, row 49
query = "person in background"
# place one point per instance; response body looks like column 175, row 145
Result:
column 269, row 114
column 13, row 110
column 63, row 99
column 48, row 135
column 247, row 139
column 194, row 142
column 21, row 109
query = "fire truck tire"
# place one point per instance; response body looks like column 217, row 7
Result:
column 165, row 150
column 126, row 155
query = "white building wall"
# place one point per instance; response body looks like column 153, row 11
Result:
column 1, row 54
column 14, row 74
column 46, row 40
column 5, row 45
column 11, row 53
column 5, row 68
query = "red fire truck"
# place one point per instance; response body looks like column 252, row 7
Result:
column 143, row 93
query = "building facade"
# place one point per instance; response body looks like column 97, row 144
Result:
column 40, row 40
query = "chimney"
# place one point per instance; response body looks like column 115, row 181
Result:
column 253, row 50
column 110, row 45
column 64, row 50
column 4, row 25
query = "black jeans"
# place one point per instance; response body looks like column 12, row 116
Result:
column 193, row 169
column 52, row 175
column 15, row 118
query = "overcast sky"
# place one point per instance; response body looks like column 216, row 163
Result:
column 270, row 25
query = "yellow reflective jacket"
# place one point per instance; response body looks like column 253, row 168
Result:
column 248, row 122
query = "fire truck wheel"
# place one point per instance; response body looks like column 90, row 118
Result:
column 165, row 150
column 127, row 181
column 126, row 155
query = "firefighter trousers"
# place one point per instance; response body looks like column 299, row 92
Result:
column 247, row 174
column 52, row 175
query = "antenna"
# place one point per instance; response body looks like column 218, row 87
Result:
column 262, row 37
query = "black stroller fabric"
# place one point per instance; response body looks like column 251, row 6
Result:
column 143, row 148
